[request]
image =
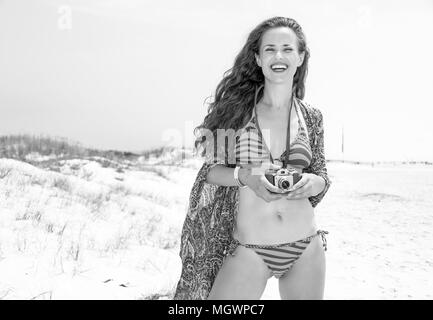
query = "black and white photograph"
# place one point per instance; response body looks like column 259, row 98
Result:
column 216, row 150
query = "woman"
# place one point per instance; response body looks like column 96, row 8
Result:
column 240, row 229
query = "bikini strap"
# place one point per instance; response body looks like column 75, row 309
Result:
column 230, row 248
column 257, row 119
column 287, row 151
column 322, row 234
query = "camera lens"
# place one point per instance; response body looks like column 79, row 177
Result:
column 285, row 184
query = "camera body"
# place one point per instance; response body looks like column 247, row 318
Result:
column 283, row 178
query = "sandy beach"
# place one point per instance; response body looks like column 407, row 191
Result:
column 380, row 244
column 89, row 231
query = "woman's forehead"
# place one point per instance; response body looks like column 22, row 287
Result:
column 279, row 36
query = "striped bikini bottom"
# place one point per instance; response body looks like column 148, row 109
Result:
column 279, row 258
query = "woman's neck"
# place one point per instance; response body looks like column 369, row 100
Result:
column 277, row 97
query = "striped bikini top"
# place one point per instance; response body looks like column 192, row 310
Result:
column 251, row 146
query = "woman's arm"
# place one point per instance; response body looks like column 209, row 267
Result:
column 318, row 162
column 223, row 176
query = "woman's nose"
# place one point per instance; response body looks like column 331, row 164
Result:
column 278, row 54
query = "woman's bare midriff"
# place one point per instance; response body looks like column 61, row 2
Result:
column 279, row 221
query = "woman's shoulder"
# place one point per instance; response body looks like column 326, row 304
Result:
column 313, row 112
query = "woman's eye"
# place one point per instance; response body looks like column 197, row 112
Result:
column 285, row 50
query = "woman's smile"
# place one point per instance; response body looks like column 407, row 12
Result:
column 279, row 67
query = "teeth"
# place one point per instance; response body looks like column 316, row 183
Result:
column 278, row 67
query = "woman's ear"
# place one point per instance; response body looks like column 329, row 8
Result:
column 258, row 60
column 301, row 57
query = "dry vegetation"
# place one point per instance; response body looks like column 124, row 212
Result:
column 77, row 207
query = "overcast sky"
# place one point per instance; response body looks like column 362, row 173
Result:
column 129, row 74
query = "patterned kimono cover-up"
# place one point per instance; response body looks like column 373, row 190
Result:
column 209, row 223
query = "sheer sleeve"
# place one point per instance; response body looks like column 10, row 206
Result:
column 318, row 162
column 221, row 149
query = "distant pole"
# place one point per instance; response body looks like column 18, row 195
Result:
column 342, row 141
column 183, row 152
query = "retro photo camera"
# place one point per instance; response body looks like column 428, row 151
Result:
column 283, row 178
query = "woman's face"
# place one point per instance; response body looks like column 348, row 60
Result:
column 278, row 55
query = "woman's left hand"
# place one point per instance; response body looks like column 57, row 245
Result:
column 309, row 185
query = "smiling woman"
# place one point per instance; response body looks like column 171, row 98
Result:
column 242, row 227
column 280, row 52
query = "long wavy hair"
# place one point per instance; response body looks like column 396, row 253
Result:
column 234, row 95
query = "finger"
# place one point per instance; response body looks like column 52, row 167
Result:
column 273, row 197
column 301, row 192
column 269, row 196
column 296, row 194
column 269, row 186
column 299, row 184
column 291, row 197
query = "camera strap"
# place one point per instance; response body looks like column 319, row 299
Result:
column 287, row 152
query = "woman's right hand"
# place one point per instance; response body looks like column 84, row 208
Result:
column 255, row 179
